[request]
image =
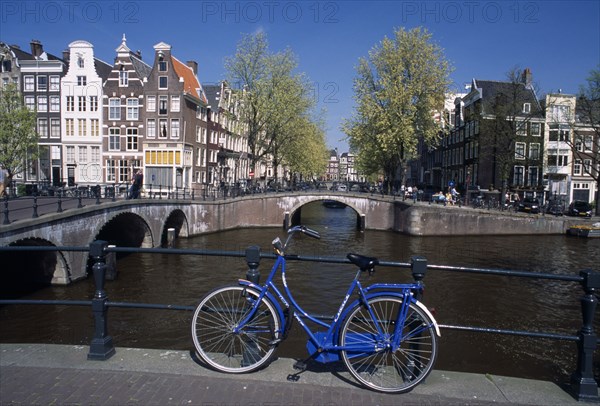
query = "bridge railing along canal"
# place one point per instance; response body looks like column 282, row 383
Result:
column 583, row 384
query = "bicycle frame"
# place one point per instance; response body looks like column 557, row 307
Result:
column 322, row 346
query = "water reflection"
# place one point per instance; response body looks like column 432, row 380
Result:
column 458, row 298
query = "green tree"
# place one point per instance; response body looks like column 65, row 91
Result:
column 273, row 97
column 586, row 130
column 306, row 151
column 18, row 137
column 397, row 88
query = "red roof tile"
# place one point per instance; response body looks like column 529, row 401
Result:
column 191, row 85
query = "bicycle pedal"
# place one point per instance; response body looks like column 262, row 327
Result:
column 300, row 366
column 293, row 377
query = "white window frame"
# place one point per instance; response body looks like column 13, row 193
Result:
column 54, row 83
column 133, row 112
column 55, row 128
column 151, row 103
column 175, row 128
column 29, row 83
column 114, row 109
column 151, row 128
column 114, row 139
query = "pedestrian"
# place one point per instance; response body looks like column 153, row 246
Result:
column 136, row 184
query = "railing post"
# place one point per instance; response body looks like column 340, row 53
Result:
column 101, row 347
column 583, row 385
column 6, row 219
column 79, row 205
column 114, row 194
column 418, row 266
column 35, row 207
column 253, row 260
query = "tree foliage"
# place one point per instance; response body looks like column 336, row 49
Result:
column 587, row 124
column 276, row 100
column 18, row 137
column 397, row 88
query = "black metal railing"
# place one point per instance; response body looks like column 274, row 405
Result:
column 583, row 384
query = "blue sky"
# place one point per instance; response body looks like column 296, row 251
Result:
column 558, row 40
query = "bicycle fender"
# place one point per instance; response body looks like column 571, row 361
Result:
column 394, row 294
column 246, row 283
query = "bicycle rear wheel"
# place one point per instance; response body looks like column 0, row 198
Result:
column 381, row 368
column 213, row 325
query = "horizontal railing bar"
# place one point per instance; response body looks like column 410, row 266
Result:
column 149, row 306
column 47, row 302
column 512, row 332
column 507, row 272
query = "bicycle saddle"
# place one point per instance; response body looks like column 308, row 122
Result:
column 363, row 262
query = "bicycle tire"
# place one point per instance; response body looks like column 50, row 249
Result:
column 382, row 370
column 212, row 330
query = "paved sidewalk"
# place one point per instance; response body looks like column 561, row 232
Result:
column 46, row 374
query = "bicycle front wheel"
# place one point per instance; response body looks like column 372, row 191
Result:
column 375, row 365
column 214, row 323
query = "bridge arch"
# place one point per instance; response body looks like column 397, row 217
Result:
column 27, row 270
column 179, row 222
column 294, row 215
column 126, row 229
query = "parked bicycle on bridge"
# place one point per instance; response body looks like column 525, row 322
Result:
column 386, row 338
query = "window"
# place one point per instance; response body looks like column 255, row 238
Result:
column 43, row 127
column 132, row 109
column 518, row 175
column 93, row 103
column 42, row 103
column 30, row 102
column 55, row 152
column 535, row 129
column 520, row 150
column 174, row 103
column 110, row 170
column 95, row 154
column 162, row 104
column 123, row 78
column 69, row 127
column 70, row 103
column 588, row 141
column 162, row 82
column 162, row 128
column 114, row 109
column 29, row 83
column 95, row 127
column 54, row 103
column 151, row 103
column 577, row 167
column 81, row 106
column 558, row 133
column 162, row 66
column 556, row 158
column 522, row 128
column 151, row 128
column 42, row 83
column 70, row 153
column 114, row 139
column 132, row 139
column 54, row 128
column 533, row 177
column 587, row 165
column 54, row 83
column 534, row 151
column 81, row 81
column 80, row 62
column 526, row 108
column 82, row 124
column 175, row 128
column 560, row 113
column 83, row 155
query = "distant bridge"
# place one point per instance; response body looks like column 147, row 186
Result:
column 146, row 223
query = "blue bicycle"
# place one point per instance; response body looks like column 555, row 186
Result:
column 386, row 338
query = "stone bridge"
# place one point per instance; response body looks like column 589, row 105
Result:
column 145, row 223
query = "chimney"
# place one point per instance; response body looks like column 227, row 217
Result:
column 138, row 53
column 526, row 78
column 66, row 55
column 36, row 47
column 193, row 65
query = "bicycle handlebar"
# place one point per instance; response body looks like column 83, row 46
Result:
column 305, row 230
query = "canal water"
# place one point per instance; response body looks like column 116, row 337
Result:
column 456, row 298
